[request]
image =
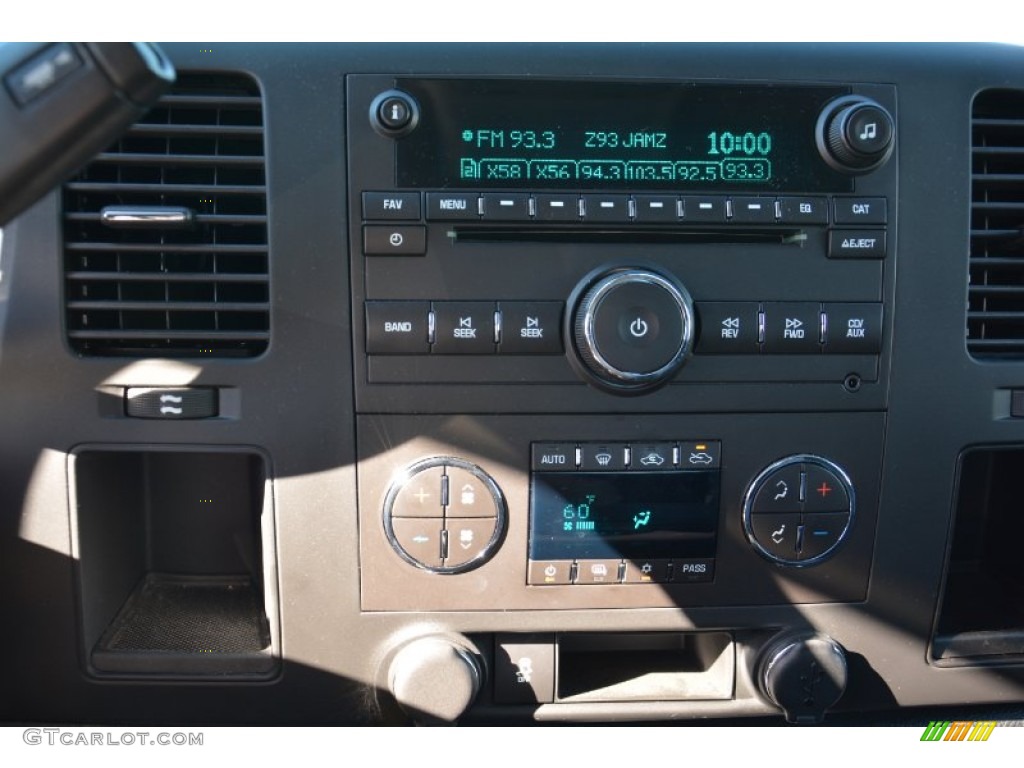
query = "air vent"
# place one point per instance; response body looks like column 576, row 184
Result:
column 165, row 233
column 995, row 315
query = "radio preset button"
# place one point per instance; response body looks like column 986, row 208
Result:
column 856, row 244
column 549, row 572
column 728, row 327
column 777, row 534
column 598, row 571
column 803, row 210
column 453, row 206
column 853, row 329
column 704, row 210
column 792, row 328
column 463, row 327
column 753, row 210
column 553, row 457
column 646, row 571
column 391, row 205
column 650, row 457
column 606, row 208
column 394, row 241
column 603, row 457
column 860, row 210
column 656, row 209
column 397, row 327
column 498, row 206
column 531, row 327
column 557, row 207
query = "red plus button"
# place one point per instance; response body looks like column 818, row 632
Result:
column 825, row 491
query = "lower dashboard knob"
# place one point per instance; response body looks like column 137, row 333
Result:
column 435, row 679
column 633, row 329
column 804, row 674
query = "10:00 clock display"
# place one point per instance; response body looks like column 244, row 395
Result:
column 732, row 157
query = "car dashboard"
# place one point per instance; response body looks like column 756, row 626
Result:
column 523, row 383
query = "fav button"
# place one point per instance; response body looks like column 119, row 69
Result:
column 391, row 205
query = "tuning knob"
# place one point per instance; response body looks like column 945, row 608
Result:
column 633, row 329
column 804, row 674
column 435, row 679
column 855, row 134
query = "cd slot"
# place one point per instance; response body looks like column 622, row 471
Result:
column 632, row 234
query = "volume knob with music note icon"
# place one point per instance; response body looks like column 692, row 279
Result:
column 855, row 134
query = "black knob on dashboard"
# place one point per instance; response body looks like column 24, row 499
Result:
column 633, row 329
column 804, row 674
column 855, row 134
column 435, row 679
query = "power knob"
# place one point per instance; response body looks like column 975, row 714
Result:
column 855, row 135
column 632, row 328
column 435, row 679
column 804, row 674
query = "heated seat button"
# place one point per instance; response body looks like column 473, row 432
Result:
column 463, row 327
column 792, row 328
column 781, row 491
column 728, row 327
column 397, row 327
column 776, row 534
column 531, row 327
column 853, row 329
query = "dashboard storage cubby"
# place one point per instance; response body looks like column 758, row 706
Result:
column 175, row 561
column 982, row 611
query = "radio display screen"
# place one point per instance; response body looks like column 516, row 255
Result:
column 541, row 134
column 631, row 515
